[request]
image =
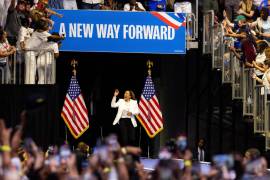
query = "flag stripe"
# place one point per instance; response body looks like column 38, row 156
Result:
column 145, row 103
column 155, row 113
column 80, row 114
column 74, row 110
column 167, row 19
column 142, row 114
column 69, row 123
column 150, row 115
column 69, row 120
column 145, row 124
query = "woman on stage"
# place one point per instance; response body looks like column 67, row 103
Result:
column 125, row 117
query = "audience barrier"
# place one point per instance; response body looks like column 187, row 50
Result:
column 29, row 67
column 253, row 95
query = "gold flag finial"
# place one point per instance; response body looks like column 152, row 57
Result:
column 149, row 64
column 74, row 63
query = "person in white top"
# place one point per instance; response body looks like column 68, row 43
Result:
column 127, row 109
column 262, row 24
column 4, row 4
column 5, row 51
column 260, row 58
column 32, row 46
column 45, row 60
column 133, row 5
column 91, row 4
column 265, row 80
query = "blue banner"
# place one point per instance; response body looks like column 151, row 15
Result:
column 122, row 32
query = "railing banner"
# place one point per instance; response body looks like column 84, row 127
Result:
column 119, row 31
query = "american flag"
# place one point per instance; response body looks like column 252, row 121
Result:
column 74, row 111
column 150, row 114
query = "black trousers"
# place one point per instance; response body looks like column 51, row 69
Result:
column 127, row 134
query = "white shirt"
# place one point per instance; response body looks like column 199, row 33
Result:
column 4, row 5
column 36, row 40
column 24, row 34
column 127, row 7
column 93, row 1
column 260, row 58
column 201, row 155
column 257, row 2
column 70, row 4
column 53, row 46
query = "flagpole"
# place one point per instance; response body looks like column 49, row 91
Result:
column 73, row 63
column 149, row 64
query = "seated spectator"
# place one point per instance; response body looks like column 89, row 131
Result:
column 91, row 4
column 157, row 5
column 262, row 24
column 133, row 5
column 247, row 9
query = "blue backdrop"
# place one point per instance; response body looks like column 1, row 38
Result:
column 119, row 31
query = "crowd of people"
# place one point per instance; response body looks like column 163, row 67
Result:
column 24, row 31
column 21, row 158
column 248, row 37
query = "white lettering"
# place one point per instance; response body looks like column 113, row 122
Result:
column 171, row 33
column 163, row 32
column 148, row 32
column 116, row 30
column 79, row 30
column 156, row 33
column 88, row 30
column 62, row 29
column 125, row 31
column 131, row 32
column 139, row 34
column 101, row 30
column 72, row 30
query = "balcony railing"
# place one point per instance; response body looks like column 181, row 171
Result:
column 29, row 67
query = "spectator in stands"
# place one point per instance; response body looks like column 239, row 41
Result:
column 262, row 24
column 70, row 4
column 133, row 5
column 45, row 60
column 157, row 5
column 91, row 4
column 260, row 58
column 247, row 9
column 5, row 50
column 13, row 23
column 248, row 47
column 24, row 33
column 32, row 45
column 4, row 4
column 232, row 7
column 55, row 4
column 40, row 11
column 236, row 29
column 265, row 80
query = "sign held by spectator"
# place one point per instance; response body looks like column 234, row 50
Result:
column 122, row 32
